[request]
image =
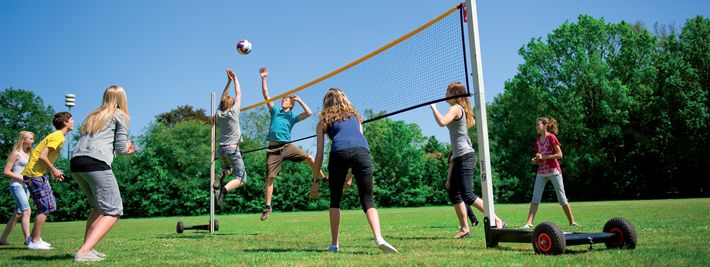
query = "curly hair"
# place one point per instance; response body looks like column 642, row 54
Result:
column 336, row 107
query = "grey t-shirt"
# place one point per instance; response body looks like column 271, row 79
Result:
column 228, row 122
column 458, row 132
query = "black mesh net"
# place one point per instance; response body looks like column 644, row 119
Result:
column 410, row 74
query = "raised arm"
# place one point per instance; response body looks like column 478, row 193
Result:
column 264, row 72
column 306, row 111
column 229, row 81
column 237, row 89
column 8, row 167
column 450, row 115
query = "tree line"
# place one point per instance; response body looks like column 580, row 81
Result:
column 632, row 108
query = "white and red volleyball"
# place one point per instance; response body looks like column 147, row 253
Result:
column 244, row 47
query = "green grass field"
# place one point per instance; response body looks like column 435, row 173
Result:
column 670, row 233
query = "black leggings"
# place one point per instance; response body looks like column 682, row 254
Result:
column 357, row 158
column 462, row 180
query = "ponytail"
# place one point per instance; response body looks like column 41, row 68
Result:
column 550, row 124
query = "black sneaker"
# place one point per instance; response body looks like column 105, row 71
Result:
column 267, row 211
column 218, row 180
column 219, row 196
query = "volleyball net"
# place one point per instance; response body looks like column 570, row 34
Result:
column 410, row 72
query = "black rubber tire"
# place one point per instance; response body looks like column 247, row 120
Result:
column 180, row 228
column 216, row 225
column 626, row 233
column 549, row 239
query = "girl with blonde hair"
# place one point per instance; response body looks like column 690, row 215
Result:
column 16, row 162
column 464, row 157
column 103, row 133
column 348, row 151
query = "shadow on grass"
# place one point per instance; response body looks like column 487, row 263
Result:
column 12, row 248
column 531, row 251
column 200, row 235
column 414, row 238
column 62, row 257
column 291, row 250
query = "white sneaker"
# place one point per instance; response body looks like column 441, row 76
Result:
column 527, row 225
column 97, row 253
column 29, row 240
column 384, row 246
column 332, row 248
column 38, row 246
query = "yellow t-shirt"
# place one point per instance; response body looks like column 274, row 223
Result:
column 54, row 140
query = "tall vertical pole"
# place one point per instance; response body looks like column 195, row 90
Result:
column 481, row 121
column 212, row 171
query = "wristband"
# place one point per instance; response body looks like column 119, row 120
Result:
column 314, row 180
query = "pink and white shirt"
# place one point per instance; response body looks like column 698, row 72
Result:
column 547, row 167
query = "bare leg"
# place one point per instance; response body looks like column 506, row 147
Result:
column 103, row 224
column 91, row 222
column 373, row 218
column 37, row 228
column 335, row 225
column 568, row 212
column 479, row 206
column 310, row 162
column 533, row 210
column 233, row 184
column 26, row 223
column 461, row 215
column 8, row 228
column 269, row 190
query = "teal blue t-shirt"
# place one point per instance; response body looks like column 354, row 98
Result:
column 281, row 124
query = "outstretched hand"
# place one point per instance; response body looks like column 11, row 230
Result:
column 263, row 72
column 130, row 146
column 231, row 75
column 432, row 105
column 295, row 98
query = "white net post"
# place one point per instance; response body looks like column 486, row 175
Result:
column 480, row 101
column 212, row 171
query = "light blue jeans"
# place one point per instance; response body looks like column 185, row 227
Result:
column 22, row 197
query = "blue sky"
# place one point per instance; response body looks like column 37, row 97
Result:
column 170, row 53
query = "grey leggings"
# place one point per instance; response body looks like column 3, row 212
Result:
column 556, row 180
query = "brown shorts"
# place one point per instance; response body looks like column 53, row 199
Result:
column 275, row 156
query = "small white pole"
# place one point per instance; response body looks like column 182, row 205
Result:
column 212, row 172
column 480, row 101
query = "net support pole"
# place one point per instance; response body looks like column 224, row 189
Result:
column 212, row 171
column 481, row 122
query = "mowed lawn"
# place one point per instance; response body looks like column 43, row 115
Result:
column 672, row 232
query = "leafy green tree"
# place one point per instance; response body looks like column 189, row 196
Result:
column 182, row 113
column 615, row 92
column 255, row 127
column 22, row 110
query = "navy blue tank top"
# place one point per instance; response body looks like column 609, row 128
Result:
column 346, row 134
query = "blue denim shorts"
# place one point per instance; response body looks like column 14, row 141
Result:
column 22, row 198
column 231, row 159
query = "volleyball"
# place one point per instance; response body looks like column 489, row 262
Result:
column 244, row 47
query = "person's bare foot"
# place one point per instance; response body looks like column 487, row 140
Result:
column 4, row 243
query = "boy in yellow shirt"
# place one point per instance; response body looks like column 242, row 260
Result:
column 41, row 160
